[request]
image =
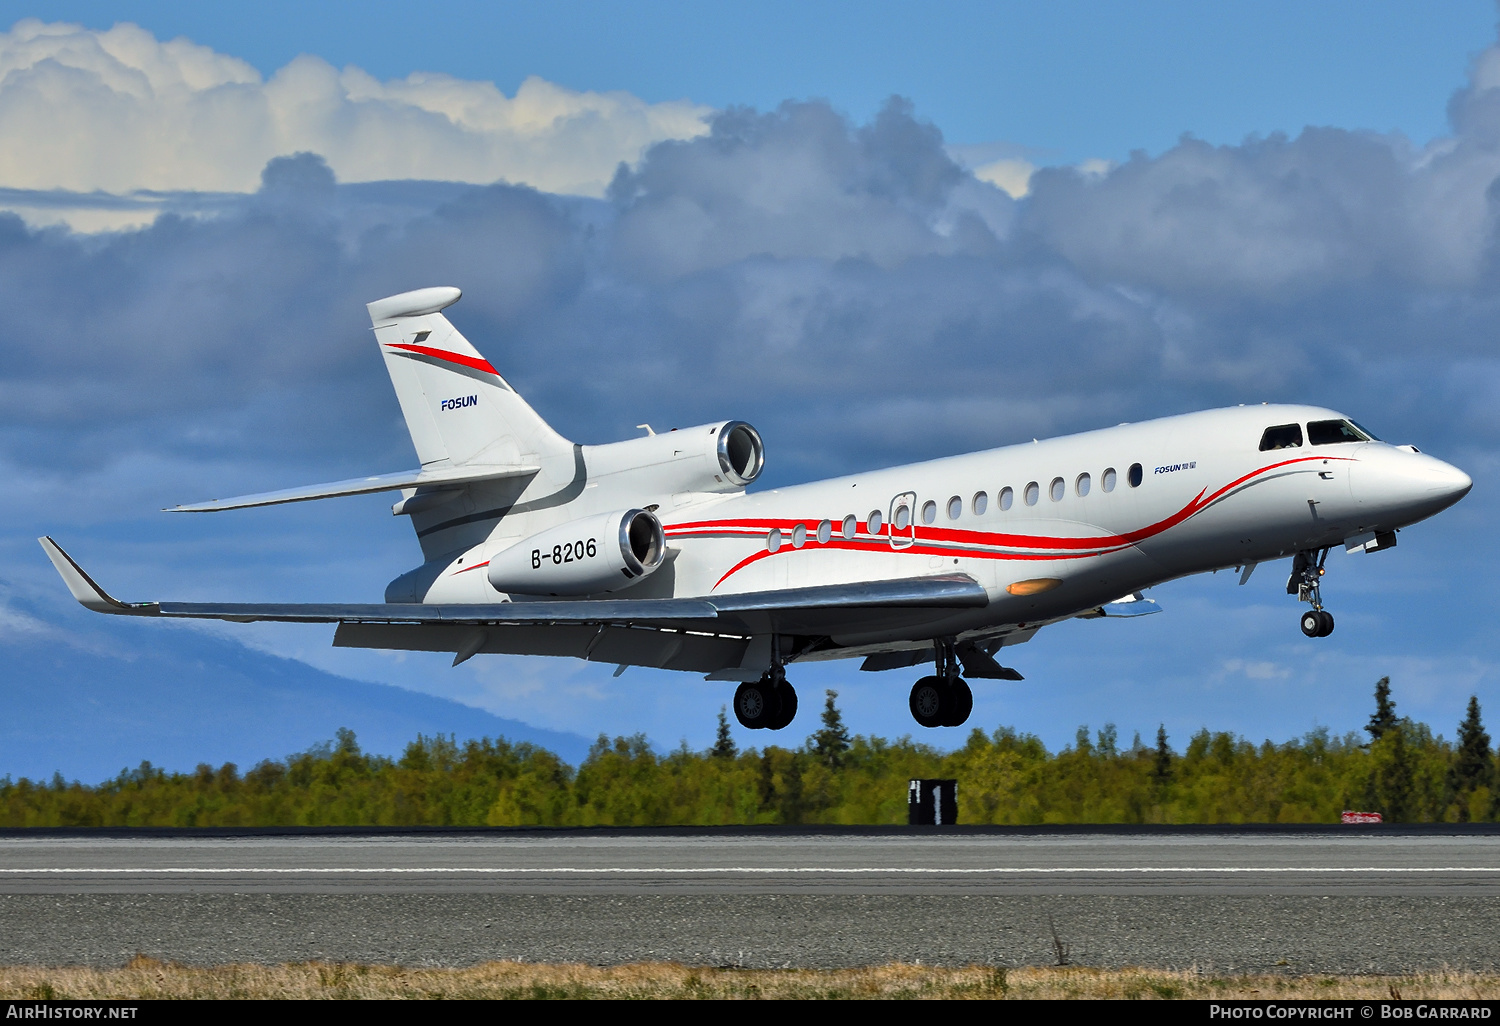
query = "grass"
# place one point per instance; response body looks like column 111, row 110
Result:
column 146, row 978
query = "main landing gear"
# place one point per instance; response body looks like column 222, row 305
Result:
column 769, row 703
column 1307, row 572
column 943, row 700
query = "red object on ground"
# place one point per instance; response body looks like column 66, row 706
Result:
column 1361, row 817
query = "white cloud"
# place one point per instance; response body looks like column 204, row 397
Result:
column 121, row 111
column 1012, row 175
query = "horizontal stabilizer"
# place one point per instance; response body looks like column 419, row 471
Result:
column 362, row 486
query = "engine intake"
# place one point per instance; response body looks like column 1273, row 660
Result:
column 590, row 556
column 741, row 452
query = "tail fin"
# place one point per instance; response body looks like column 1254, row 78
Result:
column 458, row 408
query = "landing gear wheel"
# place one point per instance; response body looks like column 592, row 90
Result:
column 930, row 702
column 787, row 696
column 960, row 703
column 756, row 704
column 1326, row 627
column 1312, row 623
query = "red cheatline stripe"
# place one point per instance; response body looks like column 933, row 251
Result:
column 466, row 569
column 1098, row 545
column 476, row 362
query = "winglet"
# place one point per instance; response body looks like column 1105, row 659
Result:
column 89, row 594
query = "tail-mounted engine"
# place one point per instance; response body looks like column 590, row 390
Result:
column 583, row 557
column 713, row 458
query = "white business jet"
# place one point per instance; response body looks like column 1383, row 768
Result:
column 650, row 551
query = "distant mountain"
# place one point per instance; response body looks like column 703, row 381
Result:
column 90, row 704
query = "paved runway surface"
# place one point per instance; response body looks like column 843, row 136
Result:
column 1364, row 901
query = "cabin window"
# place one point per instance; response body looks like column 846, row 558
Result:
column 875, row 521
column 1033, row 492
column 902, row 520
column 1331, row 432
column 1282, row 436
column 773, row 540
column 1136, row 475
column 851, row 524
column 1108, row 481
column 825, row 532
column 981, row 503
column 1007, row 499
column 799, row 536
column 955, row 508
column 929, row 511
column 1081, row 486
column 1057, row 490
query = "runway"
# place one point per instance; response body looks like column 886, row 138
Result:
column 1357, row 902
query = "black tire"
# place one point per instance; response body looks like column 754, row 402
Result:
column 1326, row 628
column 756, row 704
column 787, row 696
column 961, row 703
column 1312, row 624
column 929, row 702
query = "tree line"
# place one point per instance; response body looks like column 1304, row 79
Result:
column 1397, row 767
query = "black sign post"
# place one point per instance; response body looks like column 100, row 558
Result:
column 932, row 802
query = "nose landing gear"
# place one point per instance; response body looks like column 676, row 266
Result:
column 944, row 700
column 1307, row 572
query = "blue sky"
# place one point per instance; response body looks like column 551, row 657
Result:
column 1023, row 244
column 1071, row 79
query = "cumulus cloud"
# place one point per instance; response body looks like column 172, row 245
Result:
column 120, row 111
column 853, row 289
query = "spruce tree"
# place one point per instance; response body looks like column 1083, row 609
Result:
column 1472, row 767
column 724, row 746
column 1162, row 768
column 832, row 741
column 1395, row 775
column 1384, row 719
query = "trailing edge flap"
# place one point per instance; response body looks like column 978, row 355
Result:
column 363, row 486
column 729, row 612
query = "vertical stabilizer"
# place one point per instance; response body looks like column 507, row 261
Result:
column 458, row 408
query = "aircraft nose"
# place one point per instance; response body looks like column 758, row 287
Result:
column 1409, row 485
column 1450, row 482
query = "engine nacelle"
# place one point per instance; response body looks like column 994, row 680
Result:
column 596, row 554
column 721, row 458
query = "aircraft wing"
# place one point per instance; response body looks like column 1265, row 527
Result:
column 822, row 610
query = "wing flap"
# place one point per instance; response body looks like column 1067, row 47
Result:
column 586, row 611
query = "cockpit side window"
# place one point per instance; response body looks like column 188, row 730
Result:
column 1282, row 436
column 1331, row 432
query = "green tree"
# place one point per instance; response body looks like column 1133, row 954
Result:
column 830, row 743
column 1384, row 718
column 724, row 746
column 1161, row 764
column 1472, row 769
column 1395, row 774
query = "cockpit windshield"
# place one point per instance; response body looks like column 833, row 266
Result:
column 1332, row 432
column 1282, row 436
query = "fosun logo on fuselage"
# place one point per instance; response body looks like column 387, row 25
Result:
column 1172, row 468
column 460, row 402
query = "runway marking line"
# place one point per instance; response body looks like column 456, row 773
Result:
column 662, row 871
